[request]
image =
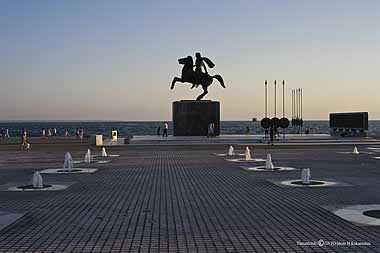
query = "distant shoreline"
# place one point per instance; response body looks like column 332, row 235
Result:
column 131, row 121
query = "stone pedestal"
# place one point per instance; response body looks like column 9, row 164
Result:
column 191, row 118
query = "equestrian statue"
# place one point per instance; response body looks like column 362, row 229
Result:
column 197, row 77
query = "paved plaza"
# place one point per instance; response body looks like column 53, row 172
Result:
column 191, row 201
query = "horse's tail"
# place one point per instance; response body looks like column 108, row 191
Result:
column 220, row 79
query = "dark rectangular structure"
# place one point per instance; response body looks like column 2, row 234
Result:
column 191, row 117
column 349, row 124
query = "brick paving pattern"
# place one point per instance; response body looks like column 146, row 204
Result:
column 188, row 201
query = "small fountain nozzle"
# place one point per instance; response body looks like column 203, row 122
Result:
column 68, row 163
column 247, row 154
column 87, row 157
column 306, row 176
column 231, row 151
column 104, row 153
column 37, row 180
column 268, row 164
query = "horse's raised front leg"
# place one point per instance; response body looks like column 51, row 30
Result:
column 175, row 79
column 203, row 94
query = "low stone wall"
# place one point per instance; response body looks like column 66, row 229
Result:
column 50, row 140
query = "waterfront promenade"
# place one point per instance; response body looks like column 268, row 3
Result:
column 171, row 199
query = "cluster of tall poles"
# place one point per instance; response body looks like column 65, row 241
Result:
column 275, row 98
column 297, row 120
column 297, row 105
column 275, row 122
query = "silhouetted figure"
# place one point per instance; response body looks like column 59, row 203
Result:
column 196, row 77
column 165, row 132
column 271, row 134
column 23, row 136
column 247, row 131
column 81, row 133
column 210, row 130
column 200, row 63
column 159, row 131
column 43, row 132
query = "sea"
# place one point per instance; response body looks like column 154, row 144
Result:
column 127, row 128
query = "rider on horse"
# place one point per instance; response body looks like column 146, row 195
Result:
column 199, row 63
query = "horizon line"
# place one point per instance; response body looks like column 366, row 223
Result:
column 36, row 121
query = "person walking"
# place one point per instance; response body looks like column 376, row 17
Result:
column 271, row 134
column 49, row 132
column 210, row 130
column 43, row 132
column 6, row 135
column 24, row 143
column 55, row 131
column 166, row 127
column 81, row 133
column 159, row 131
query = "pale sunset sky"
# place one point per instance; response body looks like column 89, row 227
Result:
column 115, row 59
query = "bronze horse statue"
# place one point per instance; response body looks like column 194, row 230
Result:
column 190, row 76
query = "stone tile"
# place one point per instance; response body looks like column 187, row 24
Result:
column 189, row 201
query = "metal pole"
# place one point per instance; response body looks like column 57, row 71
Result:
column 283, row 98
column 283, row 104
column 296, row 103
column 275, row 98
column 297, row 110
column 266, row 103
column 293, row 104
column 301, row 108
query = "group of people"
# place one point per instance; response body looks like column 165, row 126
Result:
column 80, row 132
column 4, row 133
column 165, row 127
column 48, row 133
column 273, row 132
column 309, row 130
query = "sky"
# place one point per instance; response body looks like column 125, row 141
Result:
column 115, row 60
